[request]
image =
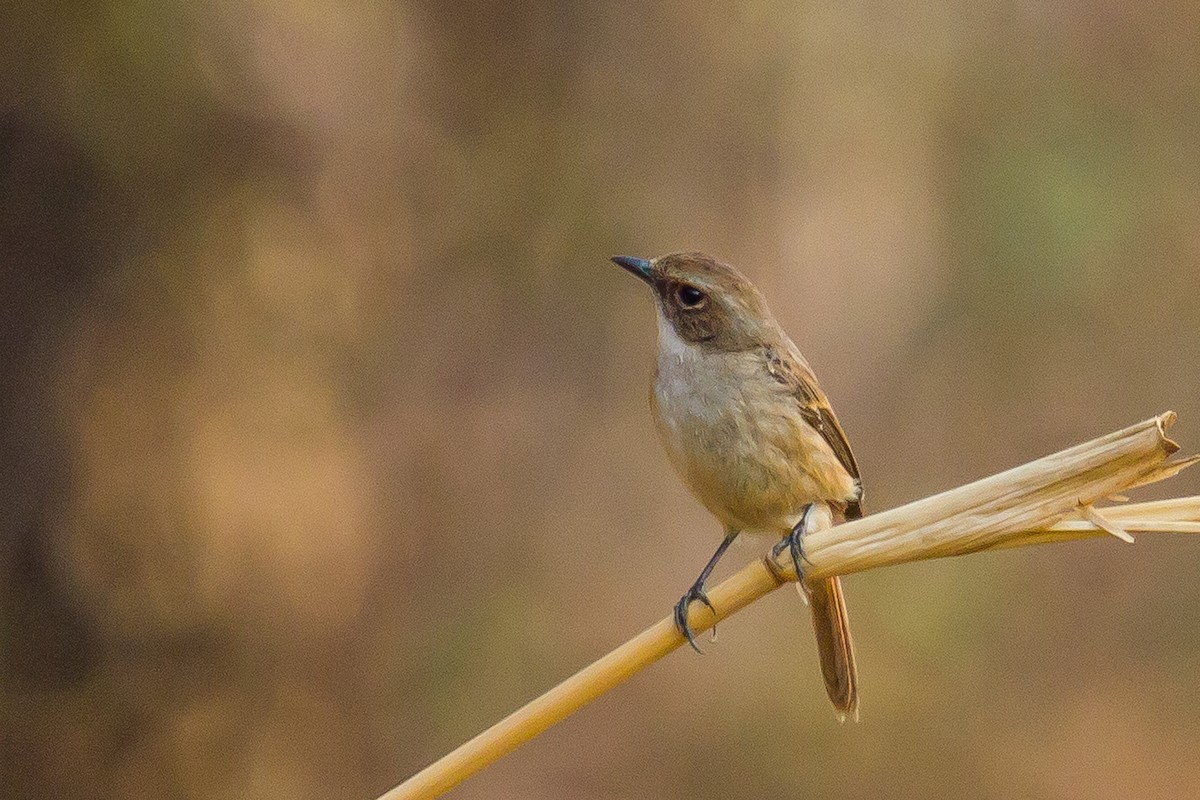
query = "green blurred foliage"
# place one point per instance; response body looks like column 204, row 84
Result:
column 325, row 441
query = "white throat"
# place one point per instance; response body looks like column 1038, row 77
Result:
column 672, row 350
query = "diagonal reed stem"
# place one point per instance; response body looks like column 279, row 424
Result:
column 1047, row 500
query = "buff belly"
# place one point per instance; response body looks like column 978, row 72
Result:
column 739, row 444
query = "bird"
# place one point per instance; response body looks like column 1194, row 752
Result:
column 752, row 435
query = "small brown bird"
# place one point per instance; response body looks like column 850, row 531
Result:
column 750, row 432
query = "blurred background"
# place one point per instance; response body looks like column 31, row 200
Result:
column 325, row 429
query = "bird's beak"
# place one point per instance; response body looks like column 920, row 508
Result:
column 640, row 267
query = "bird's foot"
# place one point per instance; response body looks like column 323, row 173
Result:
column 681, row 613
column 794, row 544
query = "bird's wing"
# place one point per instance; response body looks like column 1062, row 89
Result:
column 789, row 368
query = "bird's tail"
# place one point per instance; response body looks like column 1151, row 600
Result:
column 832, row 628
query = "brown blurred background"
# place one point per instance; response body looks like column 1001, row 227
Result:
column 325, row 433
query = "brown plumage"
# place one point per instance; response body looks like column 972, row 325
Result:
column 749, row 430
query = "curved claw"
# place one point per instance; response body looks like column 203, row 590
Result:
column 796, row 549
column 681, row 613
column 794, row 542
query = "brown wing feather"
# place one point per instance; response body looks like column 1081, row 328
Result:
column 816, row 411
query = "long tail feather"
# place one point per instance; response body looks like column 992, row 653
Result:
column 836, row 649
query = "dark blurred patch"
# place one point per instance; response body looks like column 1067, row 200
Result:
column 51, row 202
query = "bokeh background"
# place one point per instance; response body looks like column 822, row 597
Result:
column 325, row 431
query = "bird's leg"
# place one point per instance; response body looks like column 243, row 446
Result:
column 697, row 593
column 794, row 544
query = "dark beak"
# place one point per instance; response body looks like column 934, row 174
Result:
column 640, row 267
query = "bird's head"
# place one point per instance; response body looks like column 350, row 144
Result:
column 705, row 301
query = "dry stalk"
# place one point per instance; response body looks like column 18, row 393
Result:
column 1051, row 499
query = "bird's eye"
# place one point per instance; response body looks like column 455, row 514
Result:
column 690, row 297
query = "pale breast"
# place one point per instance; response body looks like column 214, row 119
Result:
column 737, row 439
